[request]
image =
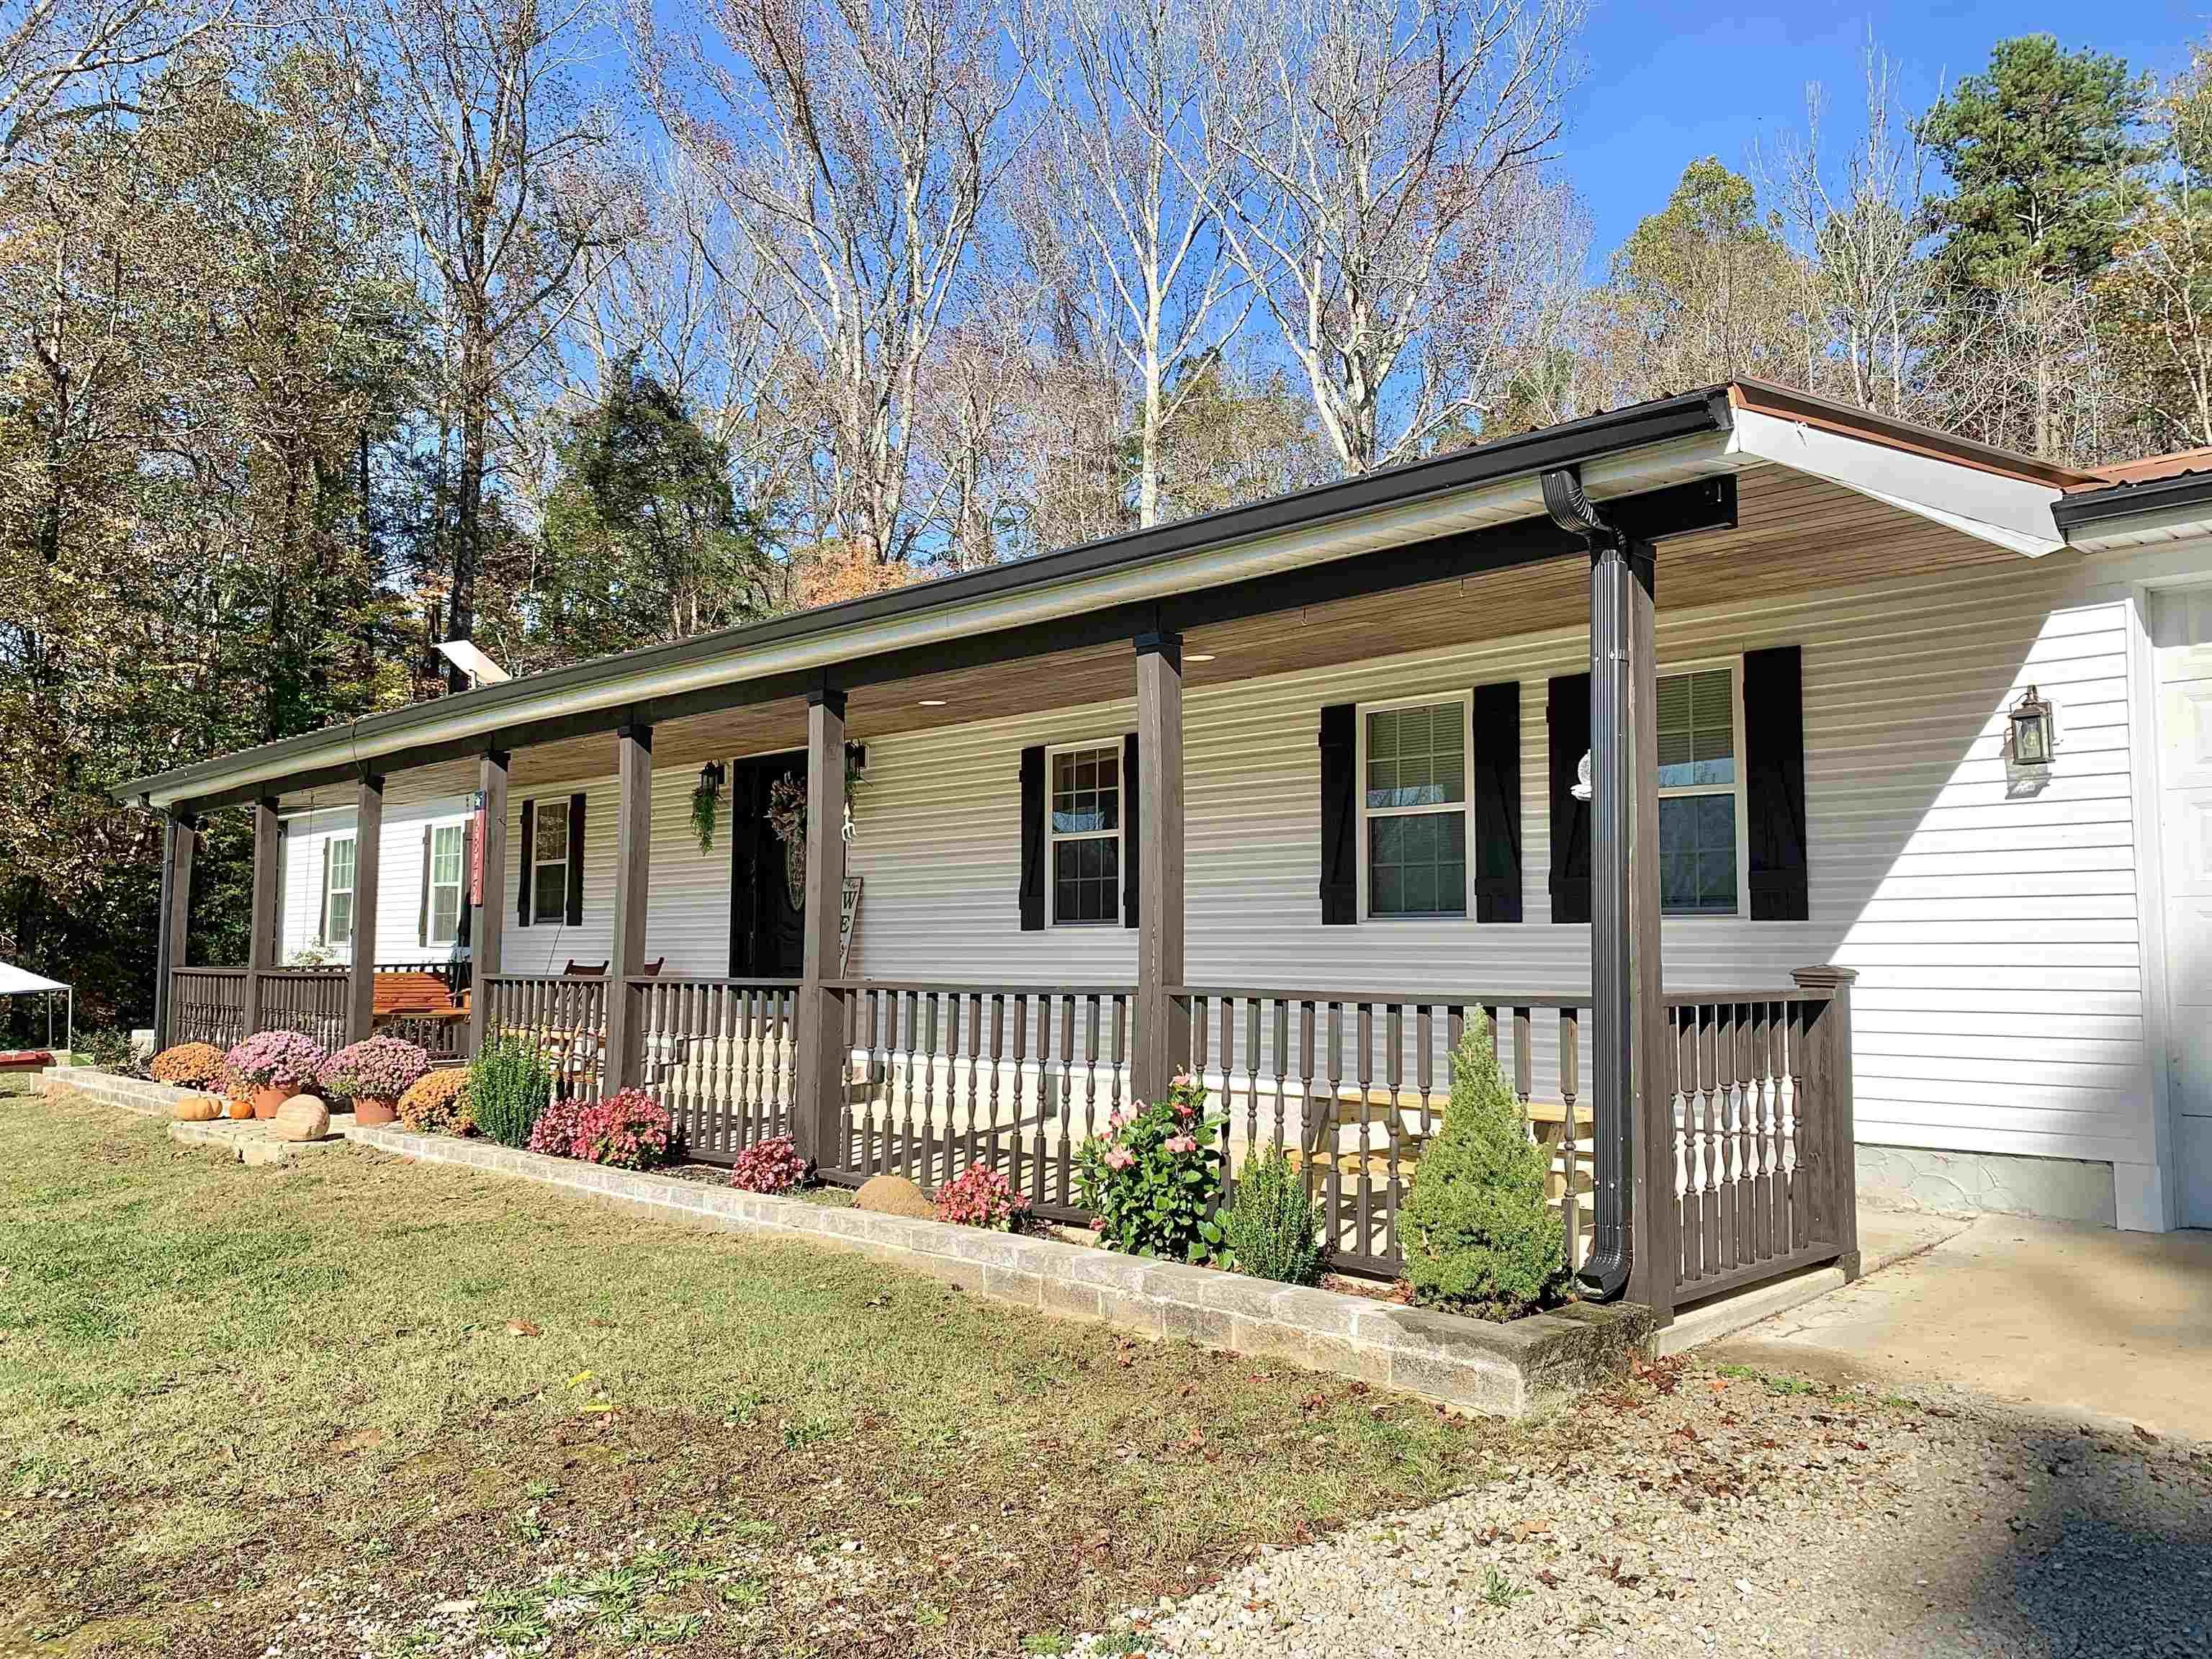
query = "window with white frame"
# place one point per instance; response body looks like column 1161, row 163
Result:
column 1082, row 829
column 549, row 862
column 448, row 855
column 1414, row 764
column 1701, row 816
column 338, row 890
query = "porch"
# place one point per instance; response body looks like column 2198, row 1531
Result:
column 1700, row 1139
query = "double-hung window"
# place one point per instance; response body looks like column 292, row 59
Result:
column 1082, row 832
column 549, row 862
column 1701, row 813
column 1414, row 759
column 448, row 856
column 338, row 890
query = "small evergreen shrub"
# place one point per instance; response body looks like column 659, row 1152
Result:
column 110, row 1050
column 981, row 1197
column 1153, row 1178
column 437, row 1103
column 1272, row 1229
column 508, row 1086
column 1479, row 1237
column 188, row 1065
column 773, row 1165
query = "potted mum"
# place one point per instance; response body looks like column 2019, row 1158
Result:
column 373, row 1074
column 273, row 1064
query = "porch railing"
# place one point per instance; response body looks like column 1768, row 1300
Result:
column 941, row 1077
column 566, row 1016
column 308, row 999
column 208, row 1005
column 721, row 1055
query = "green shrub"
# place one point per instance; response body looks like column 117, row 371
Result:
column 1152, row 1179
column 1273, row 1230
column 508, row 1087
column 1479, row 1235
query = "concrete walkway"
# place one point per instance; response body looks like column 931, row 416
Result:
column 2064, row 1320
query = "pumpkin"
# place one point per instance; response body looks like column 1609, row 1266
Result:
column 239, row 1106
column 196, row 1108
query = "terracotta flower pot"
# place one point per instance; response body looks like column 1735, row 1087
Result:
column 369, row 1112
column 266, row 1101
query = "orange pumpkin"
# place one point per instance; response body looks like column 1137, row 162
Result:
column 239, row 1106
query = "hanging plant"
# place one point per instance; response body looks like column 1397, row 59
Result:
column 705, row 801
column 786, row 816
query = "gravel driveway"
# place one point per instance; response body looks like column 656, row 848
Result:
column 1723, row 1510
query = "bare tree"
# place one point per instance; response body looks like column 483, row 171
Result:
column 65, row 63
column 505, row 174
column 1374, row 131
column 854, row 143
column 1132, row 181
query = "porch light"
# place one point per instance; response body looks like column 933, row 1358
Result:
column 2032, row 732
column 1199, row 656
column 710, row 776
column 932, row 702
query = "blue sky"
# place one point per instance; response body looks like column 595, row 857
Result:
column 1669, row 82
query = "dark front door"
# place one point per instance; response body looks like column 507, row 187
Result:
column 766, row 931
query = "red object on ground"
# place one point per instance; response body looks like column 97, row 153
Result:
column 24, row 1059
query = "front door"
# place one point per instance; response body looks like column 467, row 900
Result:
column 2181, row 632
column 767, row 925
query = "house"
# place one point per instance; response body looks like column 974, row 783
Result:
column 1610, row 729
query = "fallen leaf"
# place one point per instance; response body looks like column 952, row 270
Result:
column 521, row 1327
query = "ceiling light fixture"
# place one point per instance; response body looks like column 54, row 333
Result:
column 1197, row 656
column 933, row 702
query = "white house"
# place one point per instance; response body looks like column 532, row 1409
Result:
column 1384, row 692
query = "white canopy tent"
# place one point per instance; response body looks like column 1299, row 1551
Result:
column 16, row 982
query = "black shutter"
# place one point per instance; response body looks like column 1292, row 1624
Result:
column 422, row 910
column 1567, row 713
column 1032, row 890
column 1130, row 820
column 1495, row 712
column 1340, row 815
column 529, row 862
column 575, row 860
column 1774, row 783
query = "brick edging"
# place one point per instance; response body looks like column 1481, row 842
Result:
column 1510, row 1370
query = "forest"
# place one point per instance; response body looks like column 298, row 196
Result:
column 326, row 336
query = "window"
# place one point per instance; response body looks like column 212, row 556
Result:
column 338, row 890
column 1082, row 830
column 448, row 856
column 1700, row 795
column 548, row 863
column 1413, row 768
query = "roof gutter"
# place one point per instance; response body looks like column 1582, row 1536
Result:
column 1393, row 508
column 2091, row 507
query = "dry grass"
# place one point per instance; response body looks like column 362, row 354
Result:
column 216, row 1381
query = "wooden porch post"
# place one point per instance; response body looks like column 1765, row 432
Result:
column 367, row 869
column 821, row 1062
column 1828, row 1080
column 261, row 935
column 1631, row 1096
column 487, row 917
column 179, row 832
column 1162, row 1047
column 625, row 1054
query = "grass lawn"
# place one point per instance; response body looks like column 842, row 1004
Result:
column 363, row 1406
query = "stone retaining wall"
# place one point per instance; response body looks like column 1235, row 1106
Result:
column 1510, row 1370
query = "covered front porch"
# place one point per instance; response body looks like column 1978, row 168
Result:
column 1701, row 1131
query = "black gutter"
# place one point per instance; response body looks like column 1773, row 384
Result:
column 1689, row 414
column 2127, row 500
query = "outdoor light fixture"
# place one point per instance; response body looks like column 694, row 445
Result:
column 2032, row 732
column 933, row 702
column 1199, row 656
column 711, row 775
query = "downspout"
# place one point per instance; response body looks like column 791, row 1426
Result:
column 1604, row 1272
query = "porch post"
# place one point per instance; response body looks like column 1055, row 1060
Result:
column 1632, row 1243
column 625, row 1054
column 1163, row 1045
column 1827, row 1081
column 488, row 914
column 261, row 936
column 821, row 1061
column 367, row 869
column 179, row 832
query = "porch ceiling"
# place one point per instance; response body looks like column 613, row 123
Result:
column 1794, row 532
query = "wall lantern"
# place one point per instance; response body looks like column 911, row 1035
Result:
column 2032, row 732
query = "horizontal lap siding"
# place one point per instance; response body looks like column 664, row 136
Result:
column 399, row 881
column 2000, row 1002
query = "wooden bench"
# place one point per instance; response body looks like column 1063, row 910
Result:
column 411, row 993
